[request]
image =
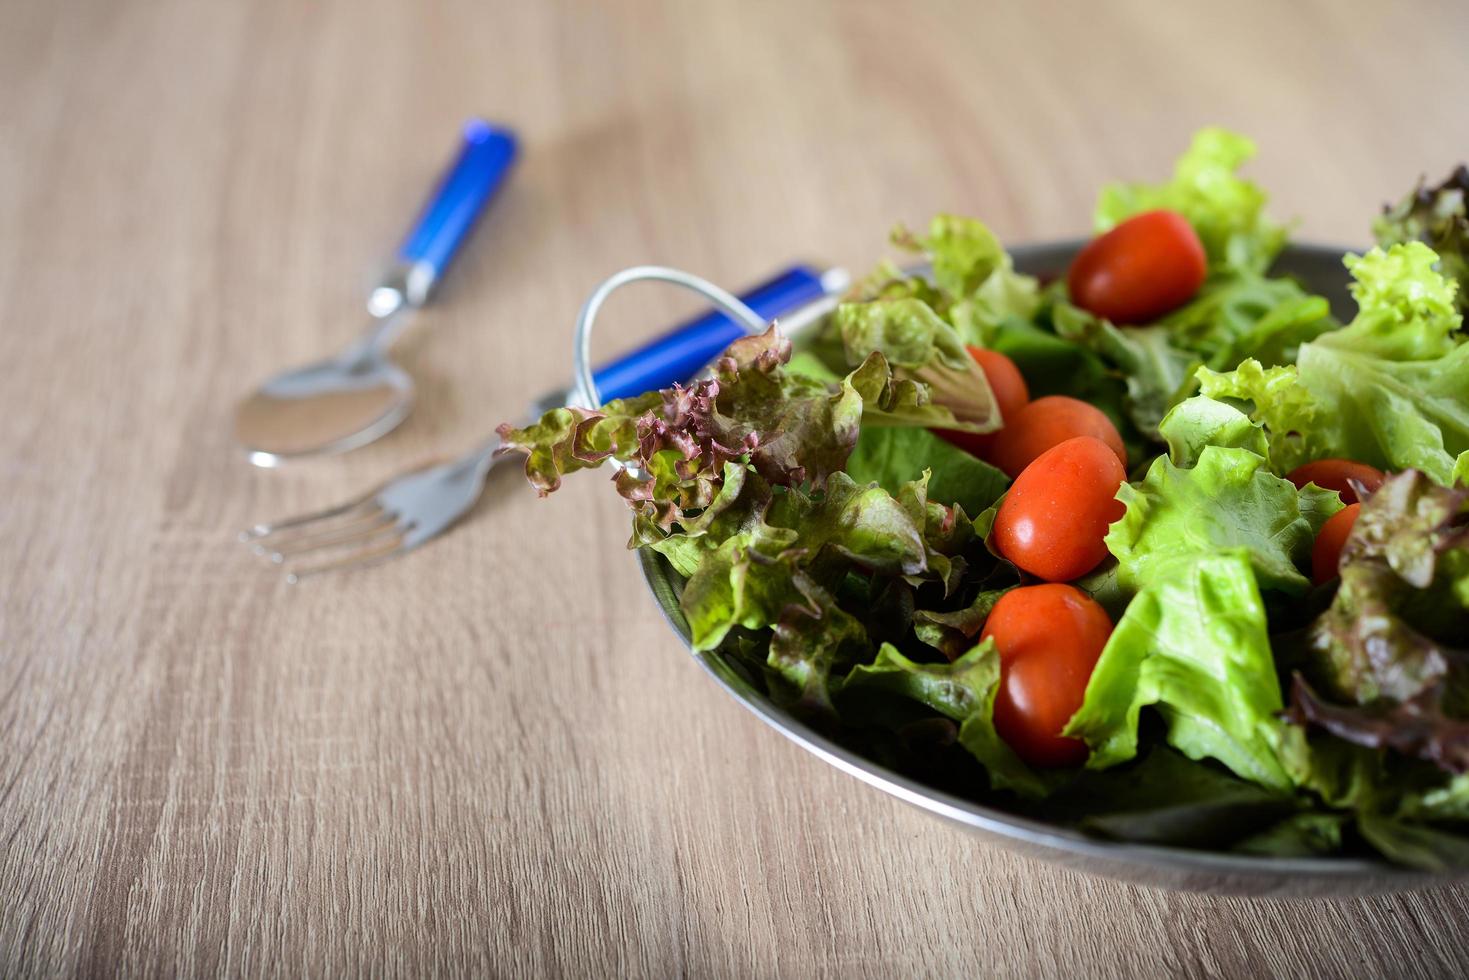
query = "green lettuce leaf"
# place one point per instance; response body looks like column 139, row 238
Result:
column 1386, row 390
column 1226, row 210
column 952, row 632
column 1239, row 314
column 1236, row 313
column 1294, row 423
column 1166, row 798
column 1157, row 374
column 1415, row 845
column 974, row 280
column 891, row 457
column 1227, row 500
column 1200, row 422
column 1406, row 310
column 749, row 578
column 906, row 331
column 1438, row 217
column 962, row 691
column 913, row 368
column 935, row 396
column 1403, row 809
column 1444, row 803
column 1394, row 415
column 1194, row 645
column 964, row 253
column 1310, row 834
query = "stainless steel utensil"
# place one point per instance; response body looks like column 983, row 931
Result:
column 408, row 510
column 1320, row 269
column 351, row 399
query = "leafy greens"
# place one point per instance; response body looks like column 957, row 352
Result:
column 834, row 548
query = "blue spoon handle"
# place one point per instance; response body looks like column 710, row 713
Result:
column 681, row 353
column 485, row 157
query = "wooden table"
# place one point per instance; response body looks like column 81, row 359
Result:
column 492, row 755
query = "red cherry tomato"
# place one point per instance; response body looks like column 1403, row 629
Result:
column 1048, row 422
column 1049, row 638
column 1326, row 552
column 1146, row 266
column 1011, row 395
column 1053, row 520
column 1338, row 474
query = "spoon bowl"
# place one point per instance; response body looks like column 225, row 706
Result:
column 330, row 406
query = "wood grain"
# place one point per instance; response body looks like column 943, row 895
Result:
column 490, row 756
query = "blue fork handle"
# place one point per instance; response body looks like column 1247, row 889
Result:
column 485, row 157
column 680, row 354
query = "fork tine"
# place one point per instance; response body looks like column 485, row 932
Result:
column 323, row 531
column 257, row 531
column 358, row 531
column 362, row 558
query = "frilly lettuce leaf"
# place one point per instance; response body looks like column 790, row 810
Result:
column 1279, row 404
column 906, row 331
column 1439, row 217
column 931, row 373
column 794, row 429
column 1226, row 210
column 565, row 440
column 748, row 578
column 1407, row 311
column 791, row 428
column 1235, row 313
column 963, row 252
column 962, row 691
column 1228, row 500
column 1200, row 422
column 810, row 639
column 974, row 279
column 1386, row 390
column 1389, row 655
column 1194, row 645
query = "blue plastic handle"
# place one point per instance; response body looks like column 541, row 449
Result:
column 680, row 354
column 484, row 160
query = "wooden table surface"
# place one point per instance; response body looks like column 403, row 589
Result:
column 492, row 755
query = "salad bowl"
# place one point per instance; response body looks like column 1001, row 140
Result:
column 1320, row 269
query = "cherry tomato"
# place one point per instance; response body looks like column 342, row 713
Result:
column 1011, row 395
column 1053, row 520
column 1146, row 266
column 1326, row 552
column 1337, row 474
column 1048, row 422
column 1049, row 638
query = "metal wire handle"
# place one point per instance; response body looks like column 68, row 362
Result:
column 584, row 393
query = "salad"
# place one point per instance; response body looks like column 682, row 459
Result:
column 1160, row 550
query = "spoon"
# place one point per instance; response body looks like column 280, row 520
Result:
column 351, row 399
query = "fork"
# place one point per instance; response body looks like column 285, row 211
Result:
column 401, row 514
